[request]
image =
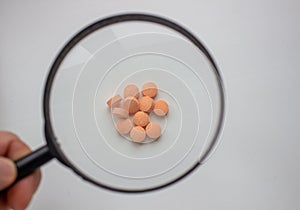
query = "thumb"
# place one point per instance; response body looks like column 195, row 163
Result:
column 8, row 172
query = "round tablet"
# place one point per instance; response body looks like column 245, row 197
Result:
column 141, row 118
column 113, row 101
column 161, row 108
column 131, row 104
column 124, row 126
column 153, row 130
column 146, row 104
column 138, row 134
column 131, row 90
column 120, row 113
column 149, row 89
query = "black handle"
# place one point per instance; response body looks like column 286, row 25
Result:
column 29, row 163
column 26, row 165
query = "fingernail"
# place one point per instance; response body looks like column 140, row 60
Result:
column 7, row 172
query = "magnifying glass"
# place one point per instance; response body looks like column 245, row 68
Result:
column 96, row 64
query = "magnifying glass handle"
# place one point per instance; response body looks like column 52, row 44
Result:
column 29, row 163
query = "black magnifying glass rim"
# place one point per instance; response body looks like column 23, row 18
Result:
column 52, row 143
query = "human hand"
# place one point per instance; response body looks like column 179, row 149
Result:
column 19, row 195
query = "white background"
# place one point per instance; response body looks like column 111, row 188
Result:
column 257, row 47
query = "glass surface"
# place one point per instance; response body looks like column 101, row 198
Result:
column 100, row 66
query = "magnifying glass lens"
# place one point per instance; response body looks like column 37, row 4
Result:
column 99, row 63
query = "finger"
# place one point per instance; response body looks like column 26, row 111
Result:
column 8, row 172
column 11, row 146
column 19, row 196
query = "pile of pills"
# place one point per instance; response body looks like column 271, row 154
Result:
column 133, row 111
